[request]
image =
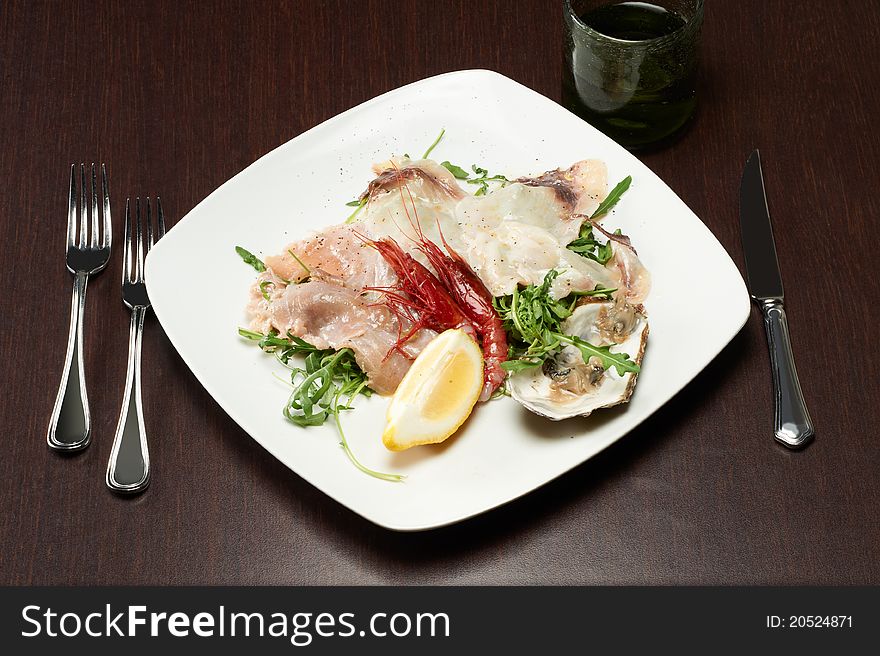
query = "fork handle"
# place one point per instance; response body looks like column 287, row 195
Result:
column 128, row 471
column 70, row 424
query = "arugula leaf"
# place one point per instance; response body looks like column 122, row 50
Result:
column 520, row 364
column 250, row 258
column 323, row 387
column 604, row 253
column 597, row 292
column 482, row 178
column 300, row 262
column 264, row 286
column 533, row 319
column 354, row 203
column 620, row 361
column 434, row 145
column 586, row 241
column 588, row 246
column 529, row 312
column 283, row 347
column 457, row 171
column 359, row 206
column 612, row 198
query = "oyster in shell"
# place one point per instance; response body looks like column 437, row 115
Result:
column 566, row 386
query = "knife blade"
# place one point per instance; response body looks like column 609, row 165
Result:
column 792, row 424
column 759, row 248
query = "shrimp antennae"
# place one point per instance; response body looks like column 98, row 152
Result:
column 452, row 296
column 414, row 224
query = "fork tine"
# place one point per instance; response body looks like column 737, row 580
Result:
column 161, row 230
column 83, row 209
column 126, row 244
column 139, row 269
column 149, row 226
column 94, row 193
column 108, row 229
column 71, row 208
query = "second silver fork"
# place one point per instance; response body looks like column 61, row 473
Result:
column 128, row 471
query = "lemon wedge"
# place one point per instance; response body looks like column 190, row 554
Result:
column 437, row 393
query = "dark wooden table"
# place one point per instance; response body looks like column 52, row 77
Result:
column 178, row 97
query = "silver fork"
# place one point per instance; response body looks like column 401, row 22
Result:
column 70, row 424
column 128, row 471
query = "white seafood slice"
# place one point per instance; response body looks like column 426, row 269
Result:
column 579, row 188
column 566, row 386
column 417, row 197
column 506, row 249
column 516, row 234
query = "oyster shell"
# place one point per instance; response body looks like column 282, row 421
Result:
column 566, row 386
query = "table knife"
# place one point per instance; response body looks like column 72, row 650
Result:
column 792, row 424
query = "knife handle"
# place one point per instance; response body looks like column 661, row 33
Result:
column 792, row 424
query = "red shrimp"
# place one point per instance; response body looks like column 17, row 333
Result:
column 476, row 303
column 418, row 296
column 471, row 296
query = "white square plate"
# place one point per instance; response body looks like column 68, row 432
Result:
column 199, row 287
